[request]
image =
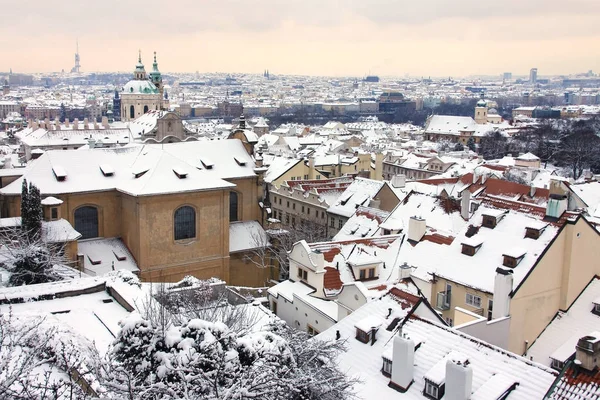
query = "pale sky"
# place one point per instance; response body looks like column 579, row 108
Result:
column 305, row 37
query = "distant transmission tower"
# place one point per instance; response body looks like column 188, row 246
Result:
column 75, row 69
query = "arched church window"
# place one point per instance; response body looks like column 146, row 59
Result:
column 233, row 206
column 132, row 112
column 145, row 109
column 185, row 223
column 86, row 221
column 169, row 127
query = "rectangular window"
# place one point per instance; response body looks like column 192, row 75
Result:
column 556, row 364
column 293, row 206
column 54, row 213
column 307, row 211
column 280, row 201
column 473, row 300
column 332, row 223
column 304, row 274
column 293, row 221
column 305, row 176
column 490, row 309
column 340, row 224
column 288, row 204
column 287, row 219
column 322, row 214
column 318, row 176
column 302, row 208
column 431, row 389
column 387, row 367
column 363, row 274
column 311, row 331
column 371, row 272
column 300, row 273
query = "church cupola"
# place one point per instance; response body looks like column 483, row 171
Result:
column 140, row 72
column 481, row 111
column 155, row 75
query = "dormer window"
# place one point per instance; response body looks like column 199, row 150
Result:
column 470, row 247
column 596, row 309
column 387, row 367
column 513, row 258
column 534, row 232
column 557, row 364
column 432, row 390
column 492, row 218
column 489, row 221
column 363, row 336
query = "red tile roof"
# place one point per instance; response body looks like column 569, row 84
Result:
column 578, row 385
column 405, row 299
column 332, row 279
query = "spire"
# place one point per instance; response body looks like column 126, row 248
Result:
column 155, row 64
column 140, row 56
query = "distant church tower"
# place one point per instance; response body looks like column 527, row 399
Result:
column 140, row 94
column 75, row 69
column 156, row 77
column 5, row 88
column 481, row 111
column 117, row 106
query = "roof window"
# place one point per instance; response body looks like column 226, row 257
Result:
column 107, row 170
column 181, row 174
column 239, row 161
column 472, row 246
column 207, row 163
column 59, row 173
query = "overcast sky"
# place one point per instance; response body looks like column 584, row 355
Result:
column 309, row 37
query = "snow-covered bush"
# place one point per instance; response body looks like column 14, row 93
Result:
column 202, row 359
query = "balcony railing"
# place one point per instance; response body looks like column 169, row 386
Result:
column 443, row 301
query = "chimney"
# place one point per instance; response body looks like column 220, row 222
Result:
column 403, row 361
column 459, row 380
column 556, row 206
column 91, row 143
column 404, row 271
column 311, row 168
column 105, row 122
column 465, row 204
column 588, row 350
column 47, row 123
column 399, row 181
column 416, row 228
column 75, row 124
column 86, row 123
column 474, row 177
column 503, row 285
column 375, row 203
column 67, row 122
column 531, row 190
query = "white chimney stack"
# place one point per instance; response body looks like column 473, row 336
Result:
column 403, row 362
column 404, row 272
column 503, row 285
column 459, row 380
column 465, row 204
column 399, row 181
column 416, row 228
column 67, row 122
column 105, row 122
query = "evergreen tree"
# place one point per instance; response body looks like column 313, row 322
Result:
column 63, row 112
column 35, row 213
column 471, row 144
column 24, row 204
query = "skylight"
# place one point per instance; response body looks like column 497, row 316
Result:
column 59, row 173
column 239, row 161
column 181, row 174
column 207, row 163
column 107, row 170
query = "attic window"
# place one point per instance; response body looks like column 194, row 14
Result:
column 207, row 163
column 107, row 170
column 139, row 171
column 489, row 221
column 239, row 161
column 557, row 364
column 363, row 336
column 471, row 247
column 513, row 258
column 432, row 390
column 596, row 309
column 59, row 173
column 119, row 255
column 181, row 174
column 94, row 260
column 533, row 233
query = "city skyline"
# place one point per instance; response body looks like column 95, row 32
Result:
column 309, row 38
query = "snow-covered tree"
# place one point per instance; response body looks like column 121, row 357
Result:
column 202, row 359
column 39, row 357
column 31, row 210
